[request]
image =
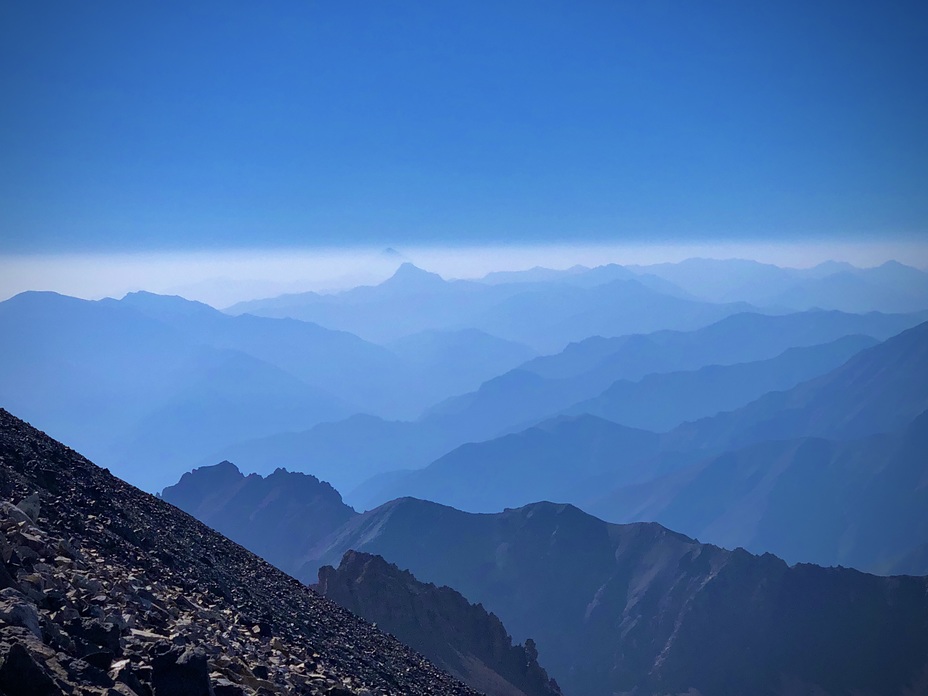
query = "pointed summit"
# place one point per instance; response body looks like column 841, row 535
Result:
column 410, row 276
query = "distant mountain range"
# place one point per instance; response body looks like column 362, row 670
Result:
column 801, row 497
column 543, row 315
column 349, row 452
column 891, row 287
column 136, row 393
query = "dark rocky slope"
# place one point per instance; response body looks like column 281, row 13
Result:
column 108, row 590
column 638, row 609
column 279, row 517
column 460, row 637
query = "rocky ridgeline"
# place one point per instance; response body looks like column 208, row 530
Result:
column 460, row 637
column 108, row 590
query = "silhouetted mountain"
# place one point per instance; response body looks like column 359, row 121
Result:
column 274, row 516
column 550, row 384
column 566, row 458
column 544, row 315
column 348, row 453
column 583, row 276
column 861, row 503
column 664, row 400
column 880, row 389
column 459, row 637
column 891, row 287
column 136, row 393
column 109, row 590
column 639, row 609
column 364, row 374
column 718, row 280
column 571, row 465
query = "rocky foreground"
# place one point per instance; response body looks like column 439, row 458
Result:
column 105, row 589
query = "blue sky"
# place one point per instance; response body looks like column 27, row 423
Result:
column 137, row 126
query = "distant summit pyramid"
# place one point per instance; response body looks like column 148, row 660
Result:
column 410, row 277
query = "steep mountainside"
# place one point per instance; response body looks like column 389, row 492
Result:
column 108, row 590
column 278, row 517
column 637, row 609
column 879, row 390
column 460, row 637
column 861, row 503
column 662, row 401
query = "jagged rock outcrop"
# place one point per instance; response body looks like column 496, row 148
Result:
column 279, row 516
column 105, row 589
column 460, row 637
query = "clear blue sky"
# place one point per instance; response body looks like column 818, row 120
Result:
column 173, row 125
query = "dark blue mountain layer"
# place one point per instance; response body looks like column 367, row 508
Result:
column 639, row 609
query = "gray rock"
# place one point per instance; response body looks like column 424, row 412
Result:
column 21, row 675
column 177, row 673
column 16, row 611
column 31, row 505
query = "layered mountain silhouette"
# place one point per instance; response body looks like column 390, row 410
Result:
column 135, row 393
column 349, row 452
column 661, row 401
column 545, row 316
column 569, row 458
column 460, row 637
column 577, row 470
column 107, row 589
column 639, row 609
column 891, row 287
column 881, row 389
column 843, row 500
column 861, row 503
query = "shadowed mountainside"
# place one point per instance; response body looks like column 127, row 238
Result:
column 460, row 637
column 276, row 517
column 639, row 609
column 881, row 389
column 661, row 401
column 861, row 503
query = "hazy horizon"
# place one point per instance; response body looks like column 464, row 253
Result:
column 223, row 277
